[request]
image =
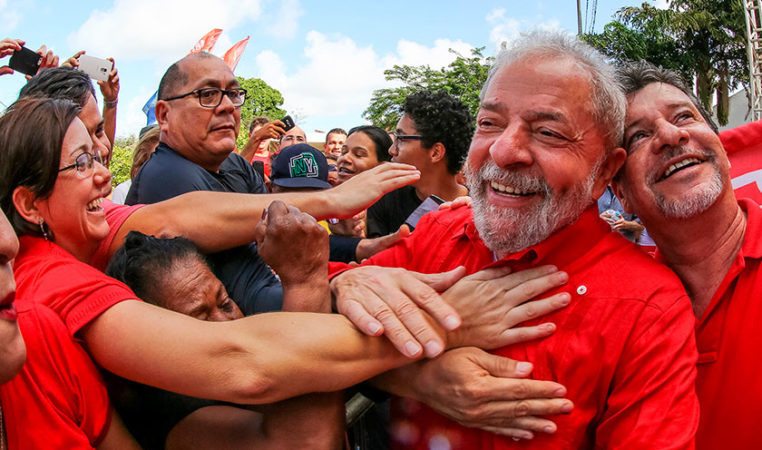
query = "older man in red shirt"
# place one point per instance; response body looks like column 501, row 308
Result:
column 545, row 147
column 676, row 179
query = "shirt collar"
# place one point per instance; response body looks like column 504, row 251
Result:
column 561, row 248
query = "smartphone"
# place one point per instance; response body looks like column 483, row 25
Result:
column 25, row 61
column 430, row 204
column 95, row 68
column 288, row 122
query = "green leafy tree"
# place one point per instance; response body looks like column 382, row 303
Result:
column 462, row 78
column 261, row 100
column 703, row 40
column 121, row 159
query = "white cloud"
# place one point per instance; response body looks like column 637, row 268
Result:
column 134, row 29
column 8, row 17
column 285, row 22
column 506, row 29
column 661, row 4
column 321, row 88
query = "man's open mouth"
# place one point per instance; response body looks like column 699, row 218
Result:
column 678, row 166
column 509, row 190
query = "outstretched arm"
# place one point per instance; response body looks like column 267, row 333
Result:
column 238, row 214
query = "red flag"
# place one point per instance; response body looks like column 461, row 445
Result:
column 206, row 43
column 234, row 54
column 744, row 147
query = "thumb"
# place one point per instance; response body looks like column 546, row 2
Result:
column 441, row 281
column 5, row 70
column 500, row 366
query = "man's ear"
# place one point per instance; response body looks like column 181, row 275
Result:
column 26, row 204
column 162, row 112
column 609, row 168
column 619, row 192
column 437, row 152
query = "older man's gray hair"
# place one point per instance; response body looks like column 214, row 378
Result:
column 608, row 99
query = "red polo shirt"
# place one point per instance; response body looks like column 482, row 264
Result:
column 728, row 337
column 624, row 347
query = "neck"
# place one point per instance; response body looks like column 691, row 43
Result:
column 701, row 249
column 439, row 183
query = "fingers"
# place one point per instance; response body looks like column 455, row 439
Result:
column 527, row 284
column 440, row 281
column 457, row 203
column 5, row 70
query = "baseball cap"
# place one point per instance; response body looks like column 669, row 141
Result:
column 300, row 166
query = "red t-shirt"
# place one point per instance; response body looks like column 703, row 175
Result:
column 115, row 217
column 624, row 348
column 77, row 292
column 728, row 337
column 58, row 400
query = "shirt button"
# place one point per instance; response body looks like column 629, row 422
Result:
column 582, row 289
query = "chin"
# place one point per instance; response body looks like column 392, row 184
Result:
column 12, row 351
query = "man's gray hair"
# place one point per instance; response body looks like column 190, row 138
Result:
column 607, row 96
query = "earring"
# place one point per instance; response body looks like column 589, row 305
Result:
column 42, row 229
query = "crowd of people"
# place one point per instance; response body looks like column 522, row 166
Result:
column 477, row 278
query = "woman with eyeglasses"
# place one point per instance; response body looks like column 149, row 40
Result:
column 51, row 187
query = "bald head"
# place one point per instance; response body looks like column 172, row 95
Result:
column 293, row 136
column 177, row 75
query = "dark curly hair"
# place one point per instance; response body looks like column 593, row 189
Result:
column 142, row 261
column 440, row 117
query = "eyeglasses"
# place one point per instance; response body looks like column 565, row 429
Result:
column 212, row 97
column 405, row 137
column 84, row 163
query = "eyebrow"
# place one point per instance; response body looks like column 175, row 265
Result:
column 79, row 150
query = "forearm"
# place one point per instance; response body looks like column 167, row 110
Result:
column 258, row 359
column 310, row 295
column 235, row 214
column 247, row 152
column 314, row 421
column 109, row 122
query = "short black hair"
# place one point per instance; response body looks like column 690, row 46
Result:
column 142, row 262
column 634, row 76
column 60, row 82
column 380, row 138
column 440, row 117
column 335, row 131
column 174, row 78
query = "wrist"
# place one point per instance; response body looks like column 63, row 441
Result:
column 109, row 104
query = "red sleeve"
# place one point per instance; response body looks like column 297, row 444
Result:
column 115, row 216
column 59, row 399
column 75, row 291
column 653, row 402
column 401, row 253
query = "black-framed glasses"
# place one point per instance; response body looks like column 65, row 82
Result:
column 405, row 137
column 84, row 163
column 212, row 97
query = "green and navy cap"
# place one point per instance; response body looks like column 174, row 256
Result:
column 300, row 166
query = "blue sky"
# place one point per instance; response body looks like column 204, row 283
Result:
column 326, row 57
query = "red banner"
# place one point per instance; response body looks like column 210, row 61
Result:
column 206, row 43
column 233, row 55
column 744, row 147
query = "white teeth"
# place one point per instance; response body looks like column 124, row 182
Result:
column 679, row 165
column 94, row 204
column 507, row 189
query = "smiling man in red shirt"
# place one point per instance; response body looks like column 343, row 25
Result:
column 546, row 146
column 676, row 179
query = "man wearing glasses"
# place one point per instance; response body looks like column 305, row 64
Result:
column 433, row 135
column 199, row 115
